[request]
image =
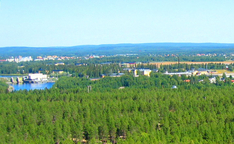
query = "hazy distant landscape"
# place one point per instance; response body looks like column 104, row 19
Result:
column 112, row 49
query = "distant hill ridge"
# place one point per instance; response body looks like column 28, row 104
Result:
column 110, row 49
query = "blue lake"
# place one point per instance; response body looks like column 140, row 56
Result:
column 9, row 76
column 33, row 86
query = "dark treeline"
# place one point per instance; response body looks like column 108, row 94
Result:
column 95, row 70
column 156, row 80
column 185, row 67
column 147, row 58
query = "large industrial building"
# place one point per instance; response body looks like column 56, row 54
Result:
column 37, row 77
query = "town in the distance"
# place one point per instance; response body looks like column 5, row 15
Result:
column 212, row 65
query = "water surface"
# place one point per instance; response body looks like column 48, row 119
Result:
column 32, row 86
column 9, row 76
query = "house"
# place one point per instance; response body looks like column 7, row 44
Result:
column 116, row 74
column 212, row 80
column 94, row 79
column 58, row 71
column 125, row 65
column 127, row 69
column 11, row 60
column 130, row 64
column 187, row 73
column 135, row 73
column 193, row 72
column 202, row 71
column 39, row 59
column 25, row 59
column 145, row 72
column 80, row 64
column 61, row 63
column 187, row 80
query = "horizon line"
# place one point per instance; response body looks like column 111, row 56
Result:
column 120, row 44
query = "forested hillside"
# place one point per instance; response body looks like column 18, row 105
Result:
column 130, row 115
column 157, row 80
column 3, row 86
column 112, row 49
column 124, row 109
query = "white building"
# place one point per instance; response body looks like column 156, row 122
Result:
column 212, row 80
column 37, row 77
column 11, row 60
column 38, row 59
column 145, row 72
column 20, row 59
column 187, row 73
column 25, row 59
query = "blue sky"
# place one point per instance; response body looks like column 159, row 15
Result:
column 81, row 22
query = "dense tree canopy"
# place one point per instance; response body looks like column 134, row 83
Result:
column 130, row 115
column 3, row 86
column 146, row 111
column 124, row 109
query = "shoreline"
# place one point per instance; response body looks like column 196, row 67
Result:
column 10, row 83
column 13, row 75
